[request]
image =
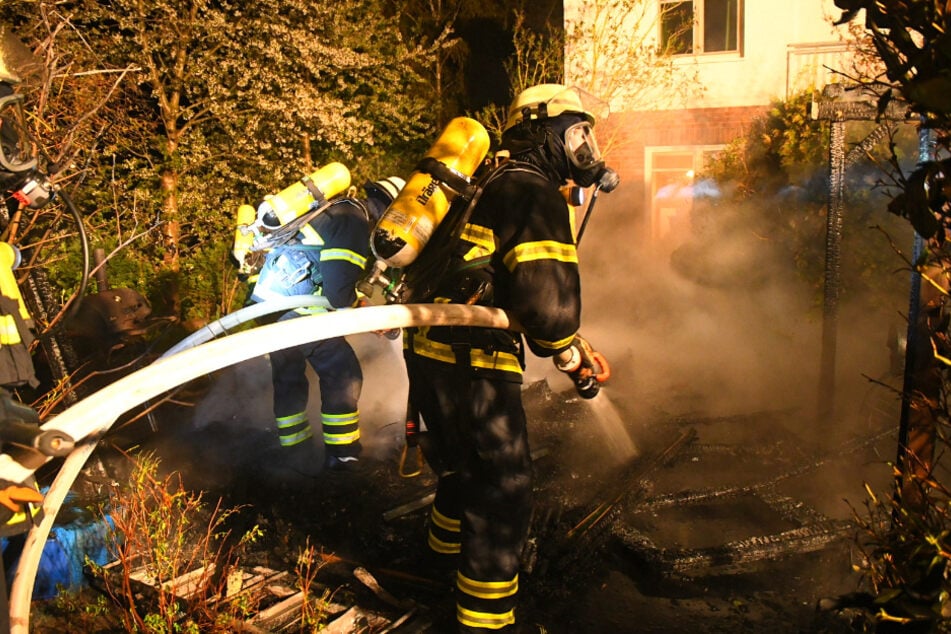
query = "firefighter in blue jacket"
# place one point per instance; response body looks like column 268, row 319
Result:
column 517, row 252
column 326, row 257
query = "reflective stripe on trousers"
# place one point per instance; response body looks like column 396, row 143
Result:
column 294, row 429
column 478, row 428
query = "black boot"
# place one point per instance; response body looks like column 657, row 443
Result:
column 294, row 463
column 344, row 458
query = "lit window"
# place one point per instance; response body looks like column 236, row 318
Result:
column 673, row 188
column 700, row 26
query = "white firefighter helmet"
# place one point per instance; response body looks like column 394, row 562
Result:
column 381, row 194
column 388, row 187
column 551, row 100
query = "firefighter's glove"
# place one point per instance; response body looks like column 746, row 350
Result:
column 587, row 368
column 13, row 496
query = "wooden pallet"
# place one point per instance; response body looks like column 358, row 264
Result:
column 271, row 595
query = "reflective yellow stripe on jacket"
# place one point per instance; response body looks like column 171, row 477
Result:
column 310, row 237
column 561, row 344
column 9, row 333
column 345, row 255
column 542, row 250
column 8, row 283
column 482, row 239
column 438, row 351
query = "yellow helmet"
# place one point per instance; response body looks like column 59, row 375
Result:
column 548, row 100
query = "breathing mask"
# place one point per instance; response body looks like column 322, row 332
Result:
column 568, row 115
column 584, row 157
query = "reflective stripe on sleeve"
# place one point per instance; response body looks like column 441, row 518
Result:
column 343, row 255
column 542, row 250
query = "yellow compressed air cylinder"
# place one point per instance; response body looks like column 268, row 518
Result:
column 243, row 236
column 408, row 223
column 299, row 198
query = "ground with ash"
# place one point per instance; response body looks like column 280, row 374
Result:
column 710, row 524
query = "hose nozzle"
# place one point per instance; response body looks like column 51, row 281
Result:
column 586, row 367
column 586, row 386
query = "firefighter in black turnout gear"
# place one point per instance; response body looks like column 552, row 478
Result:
column 22, row 185
column 327, row 257
column 517, row 252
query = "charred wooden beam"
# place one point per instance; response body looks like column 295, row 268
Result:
column 838, row 103
column 736, row 556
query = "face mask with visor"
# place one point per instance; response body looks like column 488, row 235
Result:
column 584, row 157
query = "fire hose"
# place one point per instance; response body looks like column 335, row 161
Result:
column 89, row 419
column 218, row 328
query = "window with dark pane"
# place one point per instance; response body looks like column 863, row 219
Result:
column 676, row 27
column 720, row 25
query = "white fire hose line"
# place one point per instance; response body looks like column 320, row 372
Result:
column 218, row 328
column 91, row 418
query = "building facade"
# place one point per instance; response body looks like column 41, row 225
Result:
column 735, row 57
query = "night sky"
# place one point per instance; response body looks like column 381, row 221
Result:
column 490, row 43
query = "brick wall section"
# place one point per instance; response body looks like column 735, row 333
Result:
column 631, row 132
column 625, row 135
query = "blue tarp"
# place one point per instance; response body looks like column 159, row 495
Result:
column 65, row 554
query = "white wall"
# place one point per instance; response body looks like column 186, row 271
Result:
column 772, row 31
column 785, row 43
